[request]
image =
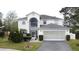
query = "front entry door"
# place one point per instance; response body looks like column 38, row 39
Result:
column 34, row 33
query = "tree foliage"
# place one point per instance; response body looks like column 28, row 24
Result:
column 1, row 16
column 11, row 21
column 71, row 17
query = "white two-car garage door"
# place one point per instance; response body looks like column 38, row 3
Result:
column 54, row 35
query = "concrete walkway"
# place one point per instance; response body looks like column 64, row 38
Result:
column 54, row 46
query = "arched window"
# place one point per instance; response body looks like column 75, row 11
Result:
column 33, row 22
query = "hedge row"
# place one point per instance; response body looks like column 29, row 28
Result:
column 18, row 37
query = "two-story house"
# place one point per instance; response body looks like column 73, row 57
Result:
column 50, row 27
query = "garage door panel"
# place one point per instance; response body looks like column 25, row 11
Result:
column 54, row 35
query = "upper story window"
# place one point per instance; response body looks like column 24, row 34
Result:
column 23, row 22
column 44, row 22
column 33, row 22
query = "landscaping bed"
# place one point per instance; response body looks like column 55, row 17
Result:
column 74, row 44
column 24, row 46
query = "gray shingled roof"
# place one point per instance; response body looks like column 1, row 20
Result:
column 46, row 17
column 52, row 27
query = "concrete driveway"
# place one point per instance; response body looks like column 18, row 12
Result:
column 54, row 46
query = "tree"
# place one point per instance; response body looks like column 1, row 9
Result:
column 10, row 21
column 1, row 15
column 71, row 17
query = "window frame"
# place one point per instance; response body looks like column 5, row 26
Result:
column 23, row 22
column 44, row 22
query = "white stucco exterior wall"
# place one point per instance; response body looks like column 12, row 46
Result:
column 72, row 36
column 40, row 32
column 22, row 26
column 50, row 21
column 41, row 22
column 58, row 22
column 26, row 25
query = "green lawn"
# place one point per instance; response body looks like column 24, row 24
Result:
column 4, row 43
column 74, row 44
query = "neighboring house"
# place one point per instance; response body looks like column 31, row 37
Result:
column 50, row 27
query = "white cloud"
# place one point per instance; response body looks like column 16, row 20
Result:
column 23, row 7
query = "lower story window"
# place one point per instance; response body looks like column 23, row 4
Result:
column 44, row 22
column 23, row 31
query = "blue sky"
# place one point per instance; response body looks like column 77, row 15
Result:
column 48, row 7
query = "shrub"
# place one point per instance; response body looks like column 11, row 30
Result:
column 77, row 35
column 28, row 34
column 2, row 34
column 27, row 37
column 68, row 37
column 40, row 37
column 15, row 37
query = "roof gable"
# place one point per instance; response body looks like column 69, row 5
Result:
column 32, row 13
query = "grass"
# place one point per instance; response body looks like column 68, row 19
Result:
column 74, row 44
column 4, row 43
